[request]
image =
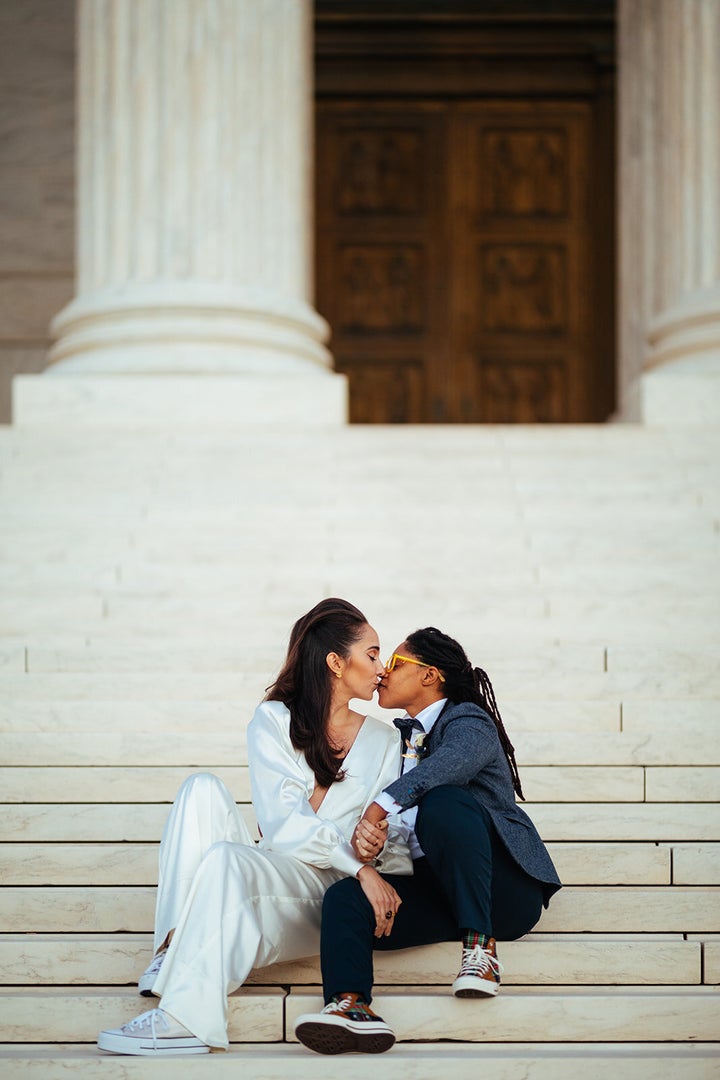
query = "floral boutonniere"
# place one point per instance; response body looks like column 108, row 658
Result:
column 417, row 749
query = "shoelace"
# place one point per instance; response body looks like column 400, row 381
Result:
column 339, row 1006
column 152, row 1017
column 481, row 961
column 156, row 964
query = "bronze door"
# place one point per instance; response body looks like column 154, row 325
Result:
column 457, row 259
column 381, row 184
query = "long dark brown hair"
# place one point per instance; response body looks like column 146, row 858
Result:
column 304, row 683
column 463, row 682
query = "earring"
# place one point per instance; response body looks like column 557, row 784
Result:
column 338, row 674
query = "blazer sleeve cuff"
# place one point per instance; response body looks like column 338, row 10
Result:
column 406, row 790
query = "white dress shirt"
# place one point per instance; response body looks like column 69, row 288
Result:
column 426, row 718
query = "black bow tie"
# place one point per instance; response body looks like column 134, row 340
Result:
column 406, row 725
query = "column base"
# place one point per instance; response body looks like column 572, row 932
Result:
column 180, row 402
column 681, row 384
column 683, row 393
column 188, row 327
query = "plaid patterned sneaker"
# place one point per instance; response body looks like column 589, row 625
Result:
column 480, row 972
column 148, row 977
column 154, row 1033
column 345, row 1025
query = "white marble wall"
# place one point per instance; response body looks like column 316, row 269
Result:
column 37, row 180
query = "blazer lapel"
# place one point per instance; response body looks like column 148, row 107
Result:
column 434, row 738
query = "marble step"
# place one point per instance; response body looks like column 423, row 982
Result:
column 577, row 863
column 474, row 467
column 692, row 823
column 204, row 654
column 550, row 469
column 556, row 783
column 610, row 665
column 125, row 554
column 194, row 750
column 217, row 656
column 19, row 715
column 540, row 959
column 121, row 560
column 549, row 462
column 574, row 1014
column 496, row 447
column 635, row 618
column 541, row 1014
column 155, row 490
column 136, row 527
column 575, row 909
column 633, row 592
column 511, row 438
column 91, row 553
column 421, row 1061
column 700, row 717
column 129, row 534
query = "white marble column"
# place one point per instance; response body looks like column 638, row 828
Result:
column 194, row 191
column 669, row 63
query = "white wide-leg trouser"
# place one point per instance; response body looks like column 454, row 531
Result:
column 233, row 907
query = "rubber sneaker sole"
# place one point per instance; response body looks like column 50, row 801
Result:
column 337, row 1036
column 473, row 986
column 116, row 1043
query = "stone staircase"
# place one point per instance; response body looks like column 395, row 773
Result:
column 149, row 579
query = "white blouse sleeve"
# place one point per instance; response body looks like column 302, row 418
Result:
column 280, row 796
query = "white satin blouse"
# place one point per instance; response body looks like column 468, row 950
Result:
column 282, row 784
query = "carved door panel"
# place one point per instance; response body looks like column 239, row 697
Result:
column 381, row 227
column 455, row 259
column 522, row 272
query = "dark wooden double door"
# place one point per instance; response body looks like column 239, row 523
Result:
column 462, row 260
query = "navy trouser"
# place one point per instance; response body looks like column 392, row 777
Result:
column 467, row 880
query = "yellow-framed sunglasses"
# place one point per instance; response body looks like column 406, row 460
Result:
column 390, row 665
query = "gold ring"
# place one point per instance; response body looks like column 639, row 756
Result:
column 389, row 914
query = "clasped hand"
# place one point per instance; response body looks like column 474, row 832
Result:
column 368, row 840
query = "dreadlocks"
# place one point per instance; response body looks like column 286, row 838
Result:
column 463, row 682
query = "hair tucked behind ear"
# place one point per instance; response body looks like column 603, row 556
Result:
column 463, row 682
column 304, row 683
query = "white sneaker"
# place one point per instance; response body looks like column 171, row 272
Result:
column 148, row 977
column 152, row 1033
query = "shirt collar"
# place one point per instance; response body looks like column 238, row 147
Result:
column 429, row 715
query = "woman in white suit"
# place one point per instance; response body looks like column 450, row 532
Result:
column 225, row 904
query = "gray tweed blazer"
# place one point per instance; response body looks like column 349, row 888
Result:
column 464, row 749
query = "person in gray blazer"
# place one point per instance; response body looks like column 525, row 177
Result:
column 480, row 869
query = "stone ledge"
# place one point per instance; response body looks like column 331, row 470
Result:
column 177, row 402
column 421, row 1061
column 128, row 863
column 537, row 960
column 575, row 909
column 540, row 1014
